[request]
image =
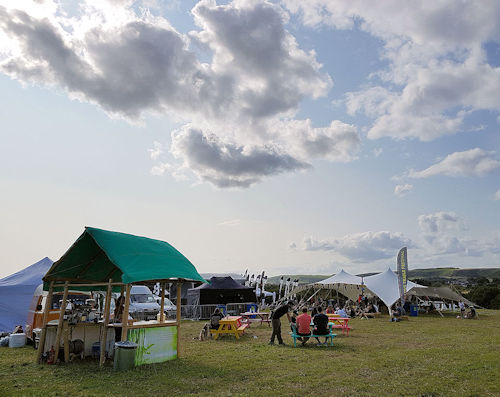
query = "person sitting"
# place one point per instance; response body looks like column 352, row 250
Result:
column 320, row 321
column 472, row 312
column 293, row 320
column 329, row 310
column 215, row 318
column 396, row 314
column 341, row 313
column 314, row 311
column 303, row 324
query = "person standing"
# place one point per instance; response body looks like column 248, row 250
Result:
column 461, row 305
column 276, row 321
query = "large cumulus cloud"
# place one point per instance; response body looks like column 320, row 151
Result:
column 242, row 92
column 437, row 69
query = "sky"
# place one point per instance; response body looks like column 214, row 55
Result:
column 298, row 137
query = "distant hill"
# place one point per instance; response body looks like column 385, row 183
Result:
column 429, row 274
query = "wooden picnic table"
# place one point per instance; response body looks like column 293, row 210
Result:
column 340, row 323
column 230, row 325
column 263, row 317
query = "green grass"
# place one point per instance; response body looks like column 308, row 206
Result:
column 425, row 356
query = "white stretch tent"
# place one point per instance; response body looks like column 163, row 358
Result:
column 385, row 286
column 345, row 283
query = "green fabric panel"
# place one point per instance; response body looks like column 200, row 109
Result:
column 96, row 253
column 143, row 259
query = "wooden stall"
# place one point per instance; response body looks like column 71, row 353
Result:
column 108, row 261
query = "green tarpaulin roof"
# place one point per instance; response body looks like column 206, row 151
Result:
column 99, row 255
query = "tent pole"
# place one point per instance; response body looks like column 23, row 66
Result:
column 178, row 315
column 48, row 304
column 125, row 312
column 162, row 304
column 61, row 318
column 104, row 332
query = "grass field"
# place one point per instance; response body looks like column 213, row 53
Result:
column 425, row 356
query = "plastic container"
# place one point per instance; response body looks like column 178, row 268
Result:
column 222, row 309
column 414, row 310
column 96, row 349
column 17, row 340
column 124, row 355
column 252, row 307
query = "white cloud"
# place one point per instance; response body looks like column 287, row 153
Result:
column 403, row 190
column 497, row 195
column 230, row 223
column 367, row 246
column 227, row 164
column 443, row 234
column 437, row 70
column 157, row 150
column 131, row 64
column 473, row 162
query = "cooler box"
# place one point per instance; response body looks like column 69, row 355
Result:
column 414, row 310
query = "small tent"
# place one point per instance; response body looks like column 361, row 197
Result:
column 16, row 293
column 221, row 290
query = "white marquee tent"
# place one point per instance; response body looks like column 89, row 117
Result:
column 384, row 286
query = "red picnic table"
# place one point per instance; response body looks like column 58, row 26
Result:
column 263, row 317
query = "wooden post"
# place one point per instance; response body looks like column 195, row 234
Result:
column 125, row 313
column 66, row 341
column 162, row 303
column 178, row 314
column 104, row 332
column 48, row 304
column 60, row 323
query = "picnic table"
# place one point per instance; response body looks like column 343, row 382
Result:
column 263, row 317
column 340, row 323
column 230, row 325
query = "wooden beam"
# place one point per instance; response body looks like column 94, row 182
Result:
column 48, row 304
column 125, row 313
column 178, row 319
column 60, row 323
column 110, row 274
column 162, row 303
column 104, row 332
column 88, row 265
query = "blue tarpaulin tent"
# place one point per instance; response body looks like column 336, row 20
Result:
column 16, row 292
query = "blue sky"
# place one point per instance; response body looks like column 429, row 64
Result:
column 285, row 136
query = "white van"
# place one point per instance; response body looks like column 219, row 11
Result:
column 143, row 305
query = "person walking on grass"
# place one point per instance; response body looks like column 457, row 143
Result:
column 276, row 321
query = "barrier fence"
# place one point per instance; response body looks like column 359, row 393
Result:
column 203, row 312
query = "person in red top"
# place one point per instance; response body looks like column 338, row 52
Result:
column 303, row 325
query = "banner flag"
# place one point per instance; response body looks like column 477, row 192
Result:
column 402, row 273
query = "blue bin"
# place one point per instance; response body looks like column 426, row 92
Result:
column 252, row 307
column 414, row 310
column 222, row 309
